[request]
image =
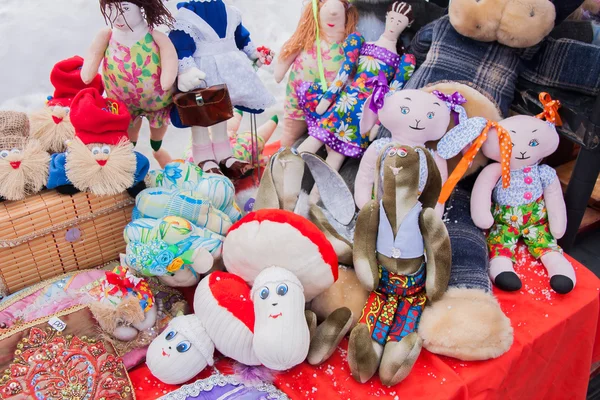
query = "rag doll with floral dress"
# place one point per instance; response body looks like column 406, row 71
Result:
column 333, row 117
column 337, row 19
column 139, row 65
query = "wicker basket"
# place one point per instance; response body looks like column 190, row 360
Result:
column 49, row 234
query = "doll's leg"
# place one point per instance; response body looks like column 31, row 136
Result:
column 310, row 145
column 560, row 270
column 328, row 335
column 364, row 353
column 266, row 130
column 202, row 150
column 399, row 358
column 156, row 138
column 134, row 130
column 231, row 166
column 293, row 129
column 233, row 124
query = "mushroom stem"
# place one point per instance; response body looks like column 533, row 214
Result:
column 281, row 335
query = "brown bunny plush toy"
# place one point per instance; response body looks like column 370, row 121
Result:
column 402, row 255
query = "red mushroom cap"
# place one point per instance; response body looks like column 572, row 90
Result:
column 267, row 238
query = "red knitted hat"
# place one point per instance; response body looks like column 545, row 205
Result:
column 66, row 79
column 97, row 119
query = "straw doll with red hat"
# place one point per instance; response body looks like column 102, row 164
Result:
column 101, row 158
column 139, row 65
column 23, row 161
column 52, row 126
column 516, row 196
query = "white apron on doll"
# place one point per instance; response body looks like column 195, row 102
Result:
column 215, row 52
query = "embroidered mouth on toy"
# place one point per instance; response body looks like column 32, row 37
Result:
column 416, row 128
column 101, row 163
column 275, row 316
column 522, row 158
column 15, row 164
column 331, row 25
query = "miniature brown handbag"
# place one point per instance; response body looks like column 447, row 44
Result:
column 204, row 106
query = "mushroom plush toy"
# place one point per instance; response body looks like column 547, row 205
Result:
column 288, row 261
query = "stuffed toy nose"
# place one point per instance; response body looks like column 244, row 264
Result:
column 15, row 164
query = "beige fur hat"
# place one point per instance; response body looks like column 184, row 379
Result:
column 14, row 130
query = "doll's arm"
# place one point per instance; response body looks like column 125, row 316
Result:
column 282, row 66
column 404, row 71
column 189, row 76
column 168, row 60
column 363, row 185
column 244, row 43
column 481, row 197
column 351, row 46
column 364, row 253
column 439, row 254
column 95, row 56
column 555, row 202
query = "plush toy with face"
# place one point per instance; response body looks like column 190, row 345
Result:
column 100, row 159
column 171, row 248
column 517, row 197
column 413, row 117
column 52, row 125
column 139, row 65
column 181, row 351
column 300, row 54
column 126, row 307
column 23, row 161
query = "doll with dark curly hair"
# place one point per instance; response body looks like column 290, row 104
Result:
column 139, row 65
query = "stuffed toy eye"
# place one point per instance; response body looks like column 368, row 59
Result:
column 264, row 293
column 404, row 110
column 183, row 346
column 430, row 115
column 282, row 289
column 294, row 151
column 96, row 150
column 4, row 153
column 15, row 151
column 534, row 143
column 402, row 153
column 392, row 152
column 171, row 335
column 105, row 150
column 67, row 110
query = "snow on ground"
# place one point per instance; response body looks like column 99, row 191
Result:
column 36, row 34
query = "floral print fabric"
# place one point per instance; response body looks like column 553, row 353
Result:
column 305, row 69
column 528, row 221
column 526, row 185
column 132, row 75
column 339, row 126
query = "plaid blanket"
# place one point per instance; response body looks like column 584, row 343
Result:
column 493, row 69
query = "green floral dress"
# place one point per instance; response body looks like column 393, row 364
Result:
column 132, row 75
column 305, row 69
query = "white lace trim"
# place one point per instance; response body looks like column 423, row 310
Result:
column 250, row 51
column 206, row 385
column 190, row 29
column 186, row 63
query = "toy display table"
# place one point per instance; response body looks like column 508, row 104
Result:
column 556, row 340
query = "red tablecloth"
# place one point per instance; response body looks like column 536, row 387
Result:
column 556, row 340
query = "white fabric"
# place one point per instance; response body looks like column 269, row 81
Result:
column 186, row 63
column 222, row 62
column 281, row 334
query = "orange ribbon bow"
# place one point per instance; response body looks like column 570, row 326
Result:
column 469, row 156
column 551, row 107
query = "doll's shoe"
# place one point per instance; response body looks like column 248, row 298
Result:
column 362, row 356
column 210, row 167
column 234, row 168
column 136, row 189
column 67, row 189
column 328, row 335
column 561, row 284
column 398, row 359
column 508, row 281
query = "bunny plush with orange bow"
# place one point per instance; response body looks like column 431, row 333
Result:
column 516, row 197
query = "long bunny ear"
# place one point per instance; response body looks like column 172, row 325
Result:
column 267, row 196
column 369, row 118
column 460, row 136
column 334, row 192
column 431, row 192
column 378, row 174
